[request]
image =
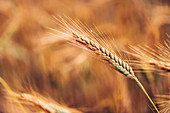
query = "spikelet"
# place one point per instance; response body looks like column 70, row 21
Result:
column 160, row 64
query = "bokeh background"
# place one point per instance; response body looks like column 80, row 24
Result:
column 33, row 61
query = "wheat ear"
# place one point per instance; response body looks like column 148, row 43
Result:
column 119, row 64
column 158, row 57
column 45, row 105
column 160, row 64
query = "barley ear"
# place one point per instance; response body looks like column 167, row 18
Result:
column 85, row 39
column 119, row 64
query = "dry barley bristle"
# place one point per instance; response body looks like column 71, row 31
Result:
column 119, row 64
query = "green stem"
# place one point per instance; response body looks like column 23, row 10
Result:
column 146, row 93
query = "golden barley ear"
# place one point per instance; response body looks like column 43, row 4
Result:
column 38, row 101
column 106, row 55
column 83, row 37
column 44, row 104
column 157, row 57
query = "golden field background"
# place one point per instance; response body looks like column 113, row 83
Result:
column 34, row 62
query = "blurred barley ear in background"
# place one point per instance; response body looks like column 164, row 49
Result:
column 34, row 63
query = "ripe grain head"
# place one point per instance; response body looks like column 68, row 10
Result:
column 83, row 37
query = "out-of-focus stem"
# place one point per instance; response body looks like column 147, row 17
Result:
column 11, row 93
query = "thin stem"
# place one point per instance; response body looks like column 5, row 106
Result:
column 11, row 93
column 141, row 86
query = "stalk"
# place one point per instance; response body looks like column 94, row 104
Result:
column 11, row 93
column 143, row 89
